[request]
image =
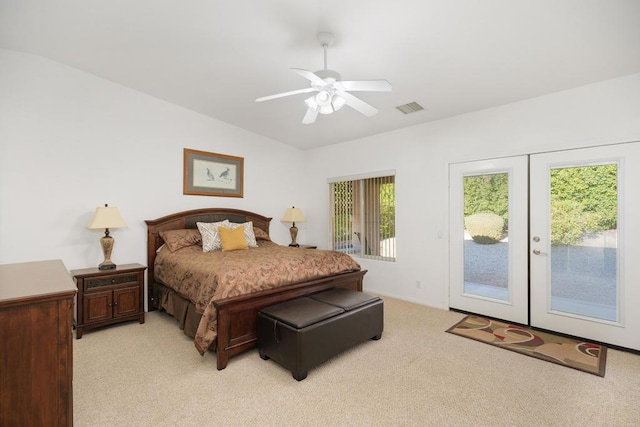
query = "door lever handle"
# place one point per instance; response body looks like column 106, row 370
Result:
column 537, row 252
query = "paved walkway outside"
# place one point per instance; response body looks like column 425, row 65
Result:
column 585, row 272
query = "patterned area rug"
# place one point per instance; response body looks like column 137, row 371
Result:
column 568, row 352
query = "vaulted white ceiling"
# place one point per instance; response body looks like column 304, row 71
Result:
column 217, row 57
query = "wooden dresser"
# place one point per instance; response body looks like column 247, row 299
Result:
column 36, row 355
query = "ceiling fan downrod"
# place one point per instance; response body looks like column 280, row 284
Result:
column 325, row 55
column 326, row 39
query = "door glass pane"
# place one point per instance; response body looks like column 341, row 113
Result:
column 584, row 241
column 486, row 254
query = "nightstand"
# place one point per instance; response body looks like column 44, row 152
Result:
column 106, row 297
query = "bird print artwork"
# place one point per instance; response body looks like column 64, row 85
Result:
column 210, row 175
column 218, row 175
column 225, row 175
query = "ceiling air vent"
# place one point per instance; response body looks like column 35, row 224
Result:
column 411, row 107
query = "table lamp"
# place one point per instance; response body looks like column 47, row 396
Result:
column 106, row 217
column 292, row 215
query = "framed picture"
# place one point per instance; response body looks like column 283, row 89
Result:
column 212, row 174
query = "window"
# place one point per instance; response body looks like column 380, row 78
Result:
column 363, row 215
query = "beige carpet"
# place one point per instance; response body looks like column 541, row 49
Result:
column 416, row 375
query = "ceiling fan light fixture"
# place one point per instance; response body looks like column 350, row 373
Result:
column 325, row 103
column 338, row 102
column 323, row 98
column 327, row 109
column 311, row 102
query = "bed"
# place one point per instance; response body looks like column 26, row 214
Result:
column 232, row 315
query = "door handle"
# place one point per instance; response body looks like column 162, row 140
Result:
column 538, row 252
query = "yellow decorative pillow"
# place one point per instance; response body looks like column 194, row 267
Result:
column 232, row 239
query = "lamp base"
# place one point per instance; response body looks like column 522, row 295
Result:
column 107, row 246
column 107, row 266
column 294, row 233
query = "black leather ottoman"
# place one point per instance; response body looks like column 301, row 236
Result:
column 302, row 333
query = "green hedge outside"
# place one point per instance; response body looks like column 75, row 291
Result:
column 584, row 200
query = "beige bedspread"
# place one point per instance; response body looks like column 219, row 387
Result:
column 205, row 277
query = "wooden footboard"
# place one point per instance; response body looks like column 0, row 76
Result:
column 237, row 316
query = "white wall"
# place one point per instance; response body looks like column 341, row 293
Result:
column 603, row 113
column 70, row 141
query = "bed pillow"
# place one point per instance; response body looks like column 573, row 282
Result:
column 210, row 235
column 232, row 239
column 248, row 232
column 177, row 239
column 260, row 234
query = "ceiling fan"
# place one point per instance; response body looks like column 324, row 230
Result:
column 332, row 93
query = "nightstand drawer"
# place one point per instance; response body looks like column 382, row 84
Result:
column 120, row 279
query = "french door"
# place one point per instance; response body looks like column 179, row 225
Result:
column 581, row 264
column 587, row 285
column 488, row 273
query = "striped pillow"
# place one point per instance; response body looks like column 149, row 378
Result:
column 210, row 236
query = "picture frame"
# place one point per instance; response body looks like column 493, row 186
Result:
column 213, row 174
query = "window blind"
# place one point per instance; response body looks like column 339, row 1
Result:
column 363, row 216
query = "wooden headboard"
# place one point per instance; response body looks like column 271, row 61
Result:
column 188, row 219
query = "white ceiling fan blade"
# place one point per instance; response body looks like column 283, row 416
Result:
column 310, row 116
column 280, row 95
column 309, row 76
column 367, row 86
column 358, row 104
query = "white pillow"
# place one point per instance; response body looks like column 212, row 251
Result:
column 210, row 236
column 248, row 232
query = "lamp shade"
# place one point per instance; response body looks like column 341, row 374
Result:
column 106, row 217
column 293, row 215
